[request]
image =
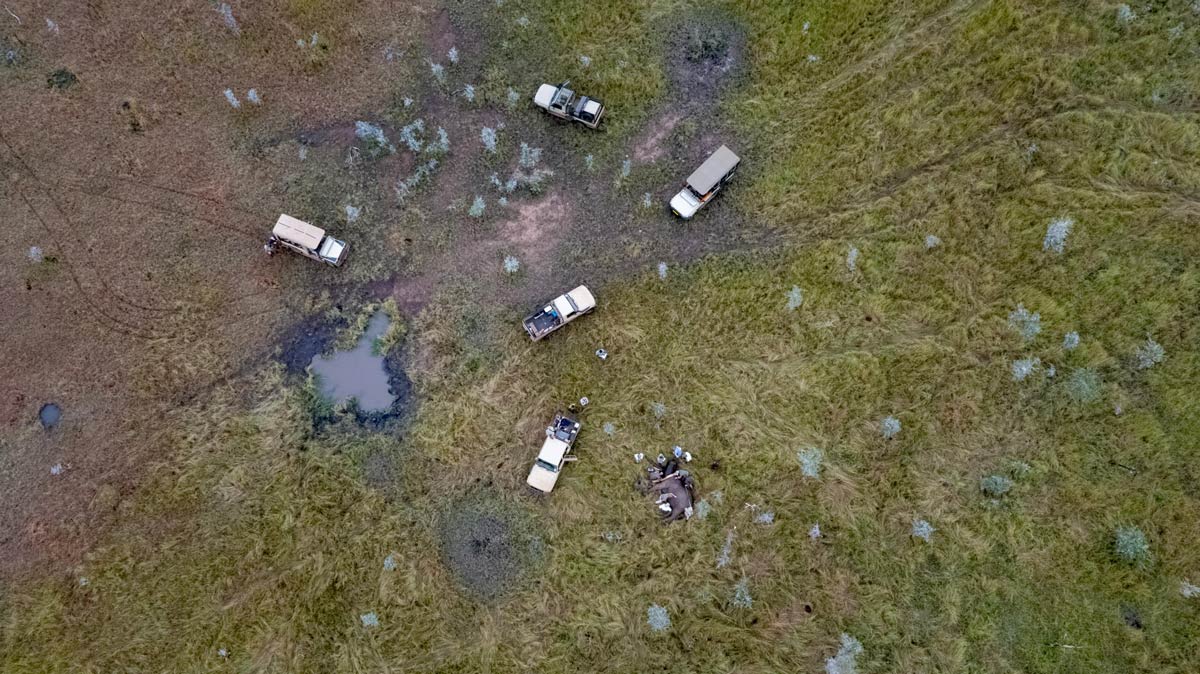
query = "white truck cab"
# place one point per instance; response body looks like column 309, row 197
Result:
column 308, row 240
column 705, row 182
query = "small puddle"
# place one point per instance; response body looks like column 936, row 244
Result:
column 50, row 415
column 357, row 373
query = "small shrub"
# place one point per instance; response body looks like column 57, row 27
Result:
column 511, row 264
column 810, row 462
column 657, row 618
column 232, row 98
column 226, row 13
column 523, row 21
column 726, row 555
column 409, row 133
column 1024, row 367
column 1149, row 354
column 767, row 517
column 1125, row 15
column 1188, row 590
column 741, row 594
column 452, row 55
column 1131, row 546
column 369, row 619
column 846, row 660
column 438, row 71
column 1026, row 323
column 610, row 429
column 923, row 530
column 476, row 207
column 647, row 200
column 1056, row 234
column 52, row 26
column 995, row 486
column 658, row 409
column 852, row 259
column 705, row 43
column 253, row 97
column 932, row 242
column 1070, row 341
column 530, row 156
column 1083, row 385
column 585, row 61
column 468, row 93
column 389, row 563
column 889, row 427
column 352, row 213
column 815, row 532
column 662, row 270
column 35, row 254
column 795, row 297
column 513, row 98
column 487, row 135
column 703, row 509
column 373, row 135
column 441, row 145
column 590, row 162
column 813, row 58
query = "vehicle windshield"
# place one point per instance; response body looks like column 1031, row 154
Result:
column 546, row 466
column 689, row 195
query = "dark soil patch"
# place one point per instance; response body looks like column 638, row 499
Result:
column 50, row 415
column 706, row 52
column 62, row 79
column 305, row 340
column 1130, row 615
column 487, row 546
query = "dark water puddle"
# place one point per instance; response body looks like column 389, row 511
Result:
column 50, row 415
column 358, row 373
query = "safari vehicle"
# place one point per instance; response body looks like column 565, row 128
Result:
column 560, row 438
column 308, row 240
column 559, row 311
column 564, row 104
column 705, row 182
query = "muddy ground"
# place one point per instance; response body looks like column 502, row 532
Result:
column 147, row 197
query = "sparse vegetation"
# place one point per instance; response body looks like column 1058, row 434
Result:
column 275, row 533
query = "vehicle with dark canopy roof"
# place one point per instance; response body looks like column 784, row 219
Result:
column 705, row 182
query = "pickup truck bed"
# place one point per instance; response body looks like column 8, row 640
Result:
column 558, row 312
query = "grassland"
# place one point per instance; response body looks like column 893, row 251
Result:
column 260, row 544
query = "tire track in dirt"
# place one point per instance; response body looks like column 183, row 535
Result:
column 83, row 189
column 140, row 314
column 103, row 319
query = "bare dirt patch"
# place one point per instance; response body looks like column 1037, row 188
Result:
column 538, row 226
column 649, row 146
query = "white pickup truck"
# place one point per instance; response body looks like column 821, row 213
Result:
column 564, row 104
column 555, row 453
column 559, row 311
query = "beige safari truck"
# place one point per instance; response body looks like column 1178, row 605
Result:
column 565, row 104
column 559, row 311
column 705, row 182
column 308, row 240
column 555, row 453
